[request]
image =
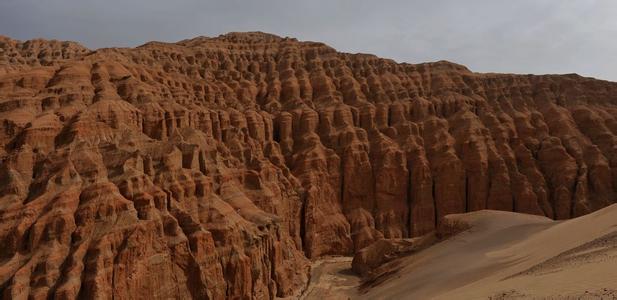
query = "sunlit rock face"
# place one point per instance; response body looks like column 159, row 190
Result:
column 217, row 167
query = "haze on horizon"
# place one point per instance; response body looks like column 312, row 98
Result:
column 524, row 36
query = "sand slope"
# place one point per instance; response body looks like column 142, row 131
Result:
column 508, row 255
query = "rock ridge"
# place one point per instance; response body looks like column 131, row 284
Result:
column 217, row 167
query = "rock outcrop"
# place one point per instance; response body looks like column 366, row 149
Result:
column 217, row 167
column 371, row 257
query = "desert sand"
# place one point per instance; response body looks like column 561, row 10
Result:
column 508, row 255
column 332, row 278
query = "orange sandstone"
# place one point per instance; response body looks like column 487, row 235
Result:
column 214, row 167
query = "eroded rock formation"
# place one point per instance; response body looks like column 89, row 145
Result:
column 214, row 167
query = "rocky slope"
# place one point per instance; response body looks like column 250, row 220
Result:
column 214, row 167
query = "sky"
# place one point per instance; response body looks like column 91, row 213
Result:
column 506, row 36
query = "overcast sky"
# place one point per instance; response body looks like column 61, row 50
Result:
column 513, row 36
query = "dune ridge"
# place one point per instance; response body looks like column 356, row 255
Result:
column 511, row 256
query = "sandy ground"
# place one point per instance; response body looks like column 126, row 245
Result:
column 503, row 256
column 332, row 278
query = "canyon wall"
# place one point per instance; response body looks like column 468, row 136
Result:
column 217, row 167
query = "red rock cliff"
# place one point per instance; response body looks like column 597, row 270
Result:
column 213, row 167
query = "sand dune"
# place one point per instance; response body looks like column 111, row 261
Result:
column 507, row 255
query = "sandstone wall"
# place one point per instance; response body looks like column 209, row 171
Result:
column 214, row 167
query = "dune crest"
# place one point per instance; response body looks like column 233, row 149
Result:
column 510, row 256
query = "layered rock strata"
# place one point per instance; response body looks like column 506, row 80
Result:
column 217, row 167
